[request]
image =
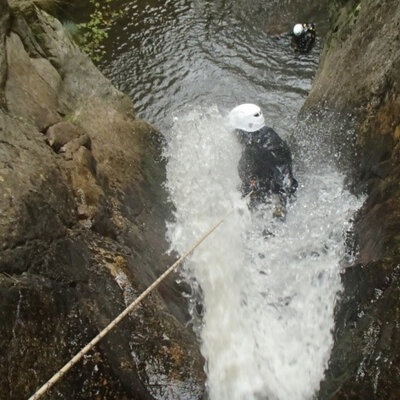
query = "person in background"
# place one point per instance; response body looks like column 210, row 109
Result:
column 265, row 167
column 303, row 37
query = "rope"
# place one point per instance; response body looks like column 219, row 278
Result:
column 58, row 375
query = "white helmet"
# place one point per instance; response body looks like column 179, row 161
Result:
column 247, row 117
column 298, row 29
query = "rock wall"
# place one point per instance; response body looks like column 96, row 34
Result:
column 81, row 229
column 358, row 81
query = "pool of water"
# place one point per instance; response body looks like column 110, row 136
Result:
column 173, row 55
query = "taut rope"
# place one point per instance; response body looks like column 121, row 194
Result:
column 58, row 375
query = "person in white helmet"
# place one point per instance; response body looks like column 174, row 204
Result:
column 265, row 167
column 303, row 37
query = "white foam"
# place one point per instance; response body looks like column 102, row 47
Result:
column 268, row 302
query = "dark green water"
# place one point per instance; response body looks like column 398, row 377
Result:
column 177, row 54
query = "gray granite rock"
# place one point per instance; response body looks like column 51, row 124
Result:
column 82, row 232
column 27, row 95
column 4, row 27
column 60, row 134
column 358, row 82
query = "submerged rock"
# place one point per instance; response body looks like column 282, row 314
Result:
column 82, row 232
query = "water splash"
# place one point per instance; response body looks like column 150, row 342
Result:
column 268, row 287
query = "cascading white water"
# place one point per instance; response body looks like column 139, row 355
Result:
column 268, row 287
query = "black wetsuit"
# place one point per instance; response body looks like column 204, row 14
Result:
column 305, row 41
column 266, row 165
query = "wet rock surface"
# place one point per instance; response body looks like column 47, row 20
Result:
column 4, row 25
column 60, row 134
column 81, row 225
column 359, row 80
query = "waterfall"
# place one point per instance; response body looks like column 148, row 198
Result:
column 266, row 287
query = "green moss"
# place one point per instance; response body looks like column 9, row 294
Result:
column 95, row 31
column 344, row 15
column 71, row 30
column 356, row 10
column 71, row 117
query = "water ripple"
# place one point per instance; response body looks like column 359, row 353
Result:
column 167, row 55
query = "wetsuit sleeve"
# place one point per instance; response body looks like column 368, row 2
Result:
column 285, row 183
column 309, row 40
column 246, row 173
column 289, row 183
